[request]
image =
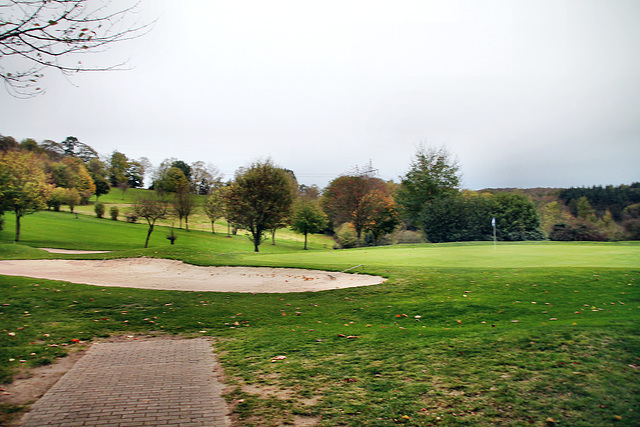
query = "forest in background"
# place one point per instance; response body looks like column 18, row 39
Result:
column 357, row 208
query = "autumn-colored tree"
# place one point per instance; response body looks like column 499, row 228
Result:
column 551, row 214
column 24, row 185
column 258, row 199
column 379, row 213
column 8, row 143
column 343, row 197
column 307, row 218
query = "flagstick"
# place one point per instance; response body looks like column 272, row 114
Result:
column 493, row 222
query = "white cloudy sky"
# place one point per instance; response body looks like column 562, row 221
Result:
column 524, row 93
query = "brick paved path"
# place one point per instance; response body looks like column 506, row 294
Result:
column 136, row 383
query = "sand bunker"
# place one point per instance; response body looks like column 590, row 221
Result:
column 71, row 251
column 153, row 273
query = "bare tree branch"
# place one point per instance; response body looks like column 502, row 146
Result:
column 49, row 34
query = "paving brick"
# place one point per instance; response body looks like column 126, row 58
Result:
column 148, row 382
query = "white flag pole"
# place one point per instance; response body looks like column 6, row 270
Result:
column 493, row 224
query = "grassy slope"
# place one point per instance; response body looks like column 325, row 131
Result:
column 460, row 335
column 66, row 231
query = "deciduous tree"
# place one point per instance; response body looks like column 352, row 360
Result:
column 72, row 198
column 134, row 174
column 214, row 207
column 151, row 207
column 258, row 199
column 381, row 215
column 97, row 168
column 433, row 173
column 307, row 217
column 53, row 34
column 516, row 217
column 205, row 178
column 24, row 188
column 183, row 204
column 118, row 165
column 342, row 200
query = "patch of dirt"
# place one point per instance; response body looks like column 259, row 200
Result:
column 154, row 273
column 30, row 385
column 265, row 391
column 304, row 420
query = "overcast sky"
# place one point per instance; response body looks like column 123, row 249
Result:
column 524, row 93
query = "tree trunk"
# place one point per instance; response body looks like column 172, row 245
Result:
column 213, row 230
column 186, row 223
column 305, row 241
column 273, row 236
column 256, row 234
column 146, row 243
column 18, row 227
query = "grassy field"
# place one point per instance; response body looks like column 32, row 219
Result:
column 460, row 334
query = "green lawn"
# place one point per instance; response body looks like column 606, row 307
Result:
column 67, row 231
column 460, row 334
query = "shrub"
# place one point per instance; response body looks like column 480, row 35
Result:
column 131, row 217
column 99, row 209
column 172, row 237
column 113, row 212
column 57, row 198
column 582, row 231
column 632, row 229
column 72, row 198
column 407, row 237
column 85, row 195
column 346, row 236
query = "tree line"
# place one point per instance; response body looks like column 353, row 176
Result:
column 358, row 208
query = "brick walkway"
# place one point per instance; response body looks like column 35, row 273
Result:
column 137, row 383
